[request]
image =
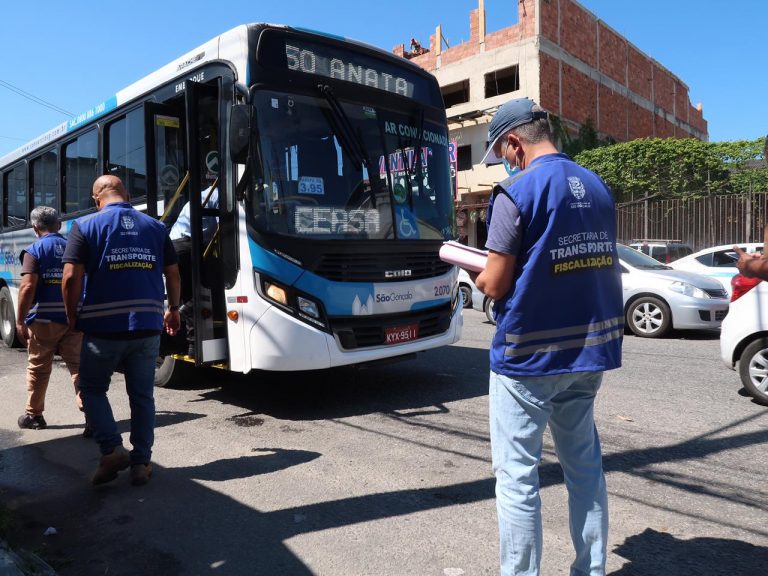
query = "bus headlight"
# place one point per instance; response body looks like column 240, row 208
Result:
column 298, row 304
column 308, row 307
column 276, row 293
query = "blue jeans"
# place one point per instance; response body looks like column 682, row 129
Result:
column 98, row 360
column 520, row 409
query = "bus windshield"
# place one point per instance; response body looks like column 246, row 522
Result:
column 332, row 169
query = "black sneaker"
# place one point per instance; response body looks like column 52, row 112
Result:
column 36, row 422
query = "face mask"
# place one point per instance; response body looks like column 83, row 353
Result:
column 511, row 170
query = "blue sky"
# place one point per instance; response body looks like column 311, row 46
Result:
column 76, row 54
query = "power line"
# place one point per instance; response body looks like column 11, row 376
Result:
column 34, row 98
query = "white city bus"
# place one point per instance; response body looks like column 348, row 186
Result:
column 331, row 162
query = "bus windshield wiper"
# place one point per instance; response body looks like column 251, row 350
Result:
column 417, row 155
column 342, row 126
column 350, row 141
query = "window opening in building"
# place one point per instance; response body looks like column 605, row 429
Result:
column 464, row 158
column 454, row 94
column 502, row 81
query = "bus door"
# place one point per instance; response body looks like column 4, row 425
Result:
column 184, row 140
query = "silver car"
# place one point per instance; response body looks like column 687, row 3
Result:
column 658, row 298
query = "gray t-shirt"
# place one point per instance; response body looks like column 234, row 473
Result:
column 506, row 233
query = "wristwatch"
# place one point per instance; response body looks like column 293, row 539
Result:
column 173, row 308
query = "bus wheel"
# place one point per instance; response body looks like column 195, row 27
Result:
column 171, row 372
column 7, row 319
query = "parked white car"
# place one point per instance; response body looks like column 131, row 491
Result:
column 718, row 262
column 477, row 299
column 744, row 336
column 658, row 298
column 467, row 289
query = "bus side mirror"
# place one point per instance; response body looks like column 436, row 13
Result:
column 240, row 133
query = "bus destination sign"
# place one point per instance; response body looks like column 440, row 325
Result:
column 346, row 66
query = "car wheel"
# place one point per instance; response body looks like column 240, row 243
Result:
column 488, row 307
column 466, row 296
column 7, row 319
column 649, row 317
column 753, row 369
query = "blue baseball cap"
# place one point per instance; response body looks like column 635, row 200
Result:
column 511, row 115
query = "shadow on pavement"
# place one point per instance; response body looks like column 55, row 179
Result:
column 182, row 523
column 662, row 554
column 348, row 391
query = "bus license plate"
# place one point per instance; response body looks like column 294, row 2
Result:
column 398, row 334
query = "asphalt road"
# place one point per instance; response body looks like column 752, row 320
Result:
column 386, row 471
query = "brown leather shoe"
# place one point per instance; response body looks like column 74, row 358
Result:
column 141, row 473
column 110, row 465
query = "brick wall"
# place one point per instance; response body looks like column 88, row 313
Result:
column 549, row 20
column 640, row 122
column 588, row 43
column 549, row 78
column 579, row 96
column 640, row 73
column 613, row 114
column 613, row 55
column 663, row 89
column 578, row 32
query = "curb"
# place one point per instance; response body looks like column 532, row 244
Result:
column 22, row 563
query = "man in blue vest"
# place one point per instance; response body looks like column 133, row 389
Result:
column 553, row 272
column 40, row 320
column 124, row 255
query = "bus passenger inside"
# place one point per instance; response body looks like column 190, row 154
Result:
column 181, row 236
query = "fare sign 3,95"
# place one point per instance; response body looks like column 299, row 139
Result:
column 400, row 334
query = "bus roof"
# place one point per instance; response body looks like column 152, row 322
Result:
column 231, row 46
column 232, row 43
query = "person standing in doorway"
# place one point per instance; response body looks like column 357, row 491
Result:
column 553, row 272
column 181, row 236
column 41, row 324
column 124, row 255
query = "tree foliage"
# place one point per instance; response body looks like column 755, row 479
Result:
column 586, row 139
column 675, row 168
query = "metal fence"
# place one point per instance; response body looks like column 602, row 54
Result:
column 700, row 222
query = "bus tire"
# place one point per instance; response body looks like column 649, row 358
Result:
column 7, row 319
column 171, row 372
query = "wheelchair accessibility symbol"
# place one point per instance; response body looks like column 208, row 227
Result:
column 406, row 224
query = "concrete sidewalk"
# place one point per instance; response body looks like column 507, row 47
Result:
column 22, row 564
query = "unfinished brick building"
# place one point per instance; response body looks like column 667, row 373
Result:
column 566, row 59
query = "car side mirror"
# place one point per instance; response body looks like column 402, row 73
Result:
column 240, row 133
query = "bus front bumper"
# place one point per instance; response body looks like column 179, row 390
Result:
column 281, row 342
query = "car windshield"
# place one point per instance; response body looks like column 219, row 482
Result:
column 638, row 259
column 333, row 169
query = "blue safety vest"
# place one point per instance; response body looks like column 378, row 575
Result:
column 124, row 290
column 564, row 312
column 49, row 304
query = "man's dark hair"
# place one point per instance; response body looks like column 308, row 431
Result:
column 536, row 131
